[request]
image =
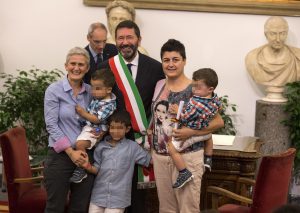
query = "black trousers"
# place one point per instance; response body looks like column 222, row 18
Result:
column 58, row 170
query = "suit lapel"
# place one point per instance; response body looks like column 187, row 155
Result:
column 91, row 57
column 141, row 69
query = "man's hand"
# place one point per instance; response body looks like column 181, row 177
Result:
column 80, row 110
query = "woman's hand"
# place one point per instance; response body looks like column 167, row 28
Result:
column 173, row 109
column 77, row 156
column 182, row 134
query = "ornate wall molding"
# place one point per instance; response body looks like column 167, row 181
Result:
column 263, row 7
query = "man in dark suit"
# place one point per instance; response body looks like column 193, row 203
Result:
column 98, row 49
column 146, row 72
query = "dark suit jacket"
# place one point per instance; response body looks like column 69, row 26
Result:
column 148, row 74
column 109, row 51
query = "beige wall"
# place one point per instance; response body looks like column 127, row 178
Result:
column 39, row 33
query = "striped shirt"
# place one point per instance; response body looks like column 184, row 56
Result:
column 102, row 109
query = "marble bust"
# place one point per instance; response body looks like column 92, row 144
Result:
column 275, row 63
column 117, row 11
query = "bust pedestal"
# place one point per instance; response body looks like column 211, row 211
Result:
column 268, row 127
column 274, row 94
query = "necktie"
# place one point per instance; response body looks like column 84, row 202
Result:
column 129, row 68
column 99, row 60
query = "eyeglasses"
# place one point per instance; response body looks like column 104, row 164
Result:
column 97, row 42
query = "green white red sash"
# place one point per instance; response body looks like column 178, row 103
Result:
column 132, row 98
column 135, row 107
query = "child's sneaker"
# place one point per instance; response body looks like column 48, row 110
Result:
column 208, row 162
column 182, row 179
column 78, row 175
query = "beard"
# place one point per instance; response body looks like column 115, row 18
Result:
column 128, row 51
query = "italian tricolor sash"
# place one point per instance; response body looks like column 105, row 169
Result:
column 132, row 98
column 135, row 107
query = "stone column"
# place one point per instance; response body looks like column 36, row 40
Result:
column 268, row 127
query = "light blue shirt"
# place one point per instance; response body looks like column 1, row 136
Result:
column 60, row 116
column 112, row 186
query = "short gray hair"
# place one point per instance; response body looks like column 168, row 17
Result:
column 78, row 51
column 94, row 26
column 119, row 3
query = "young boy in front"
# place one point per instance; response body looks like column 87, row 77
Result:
column 115, row 158
column 95, row 117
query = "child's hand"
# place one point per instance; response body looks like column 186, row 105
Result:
column 79, row 110
column 151, row 162
column 86, row 163
column 149, row 132
column 173, row 109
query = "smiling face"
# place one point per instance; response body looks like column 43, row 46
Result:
column 173, row 64
column 127, row 43
column 76, row 66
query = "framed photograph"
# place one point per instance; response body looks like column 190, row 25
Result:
column 263, row 7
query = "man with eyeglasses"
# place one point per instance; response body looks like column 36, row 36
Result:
column 98, row 49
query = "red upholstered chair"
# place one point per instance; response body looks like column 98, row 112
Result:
column 270, row 188
column 4, row 206
column 24, row 195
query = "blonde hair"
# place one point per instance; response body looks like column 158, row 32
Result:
column 78, row 51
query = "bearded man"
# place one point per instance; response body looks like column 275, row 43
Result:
column 136, row 77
